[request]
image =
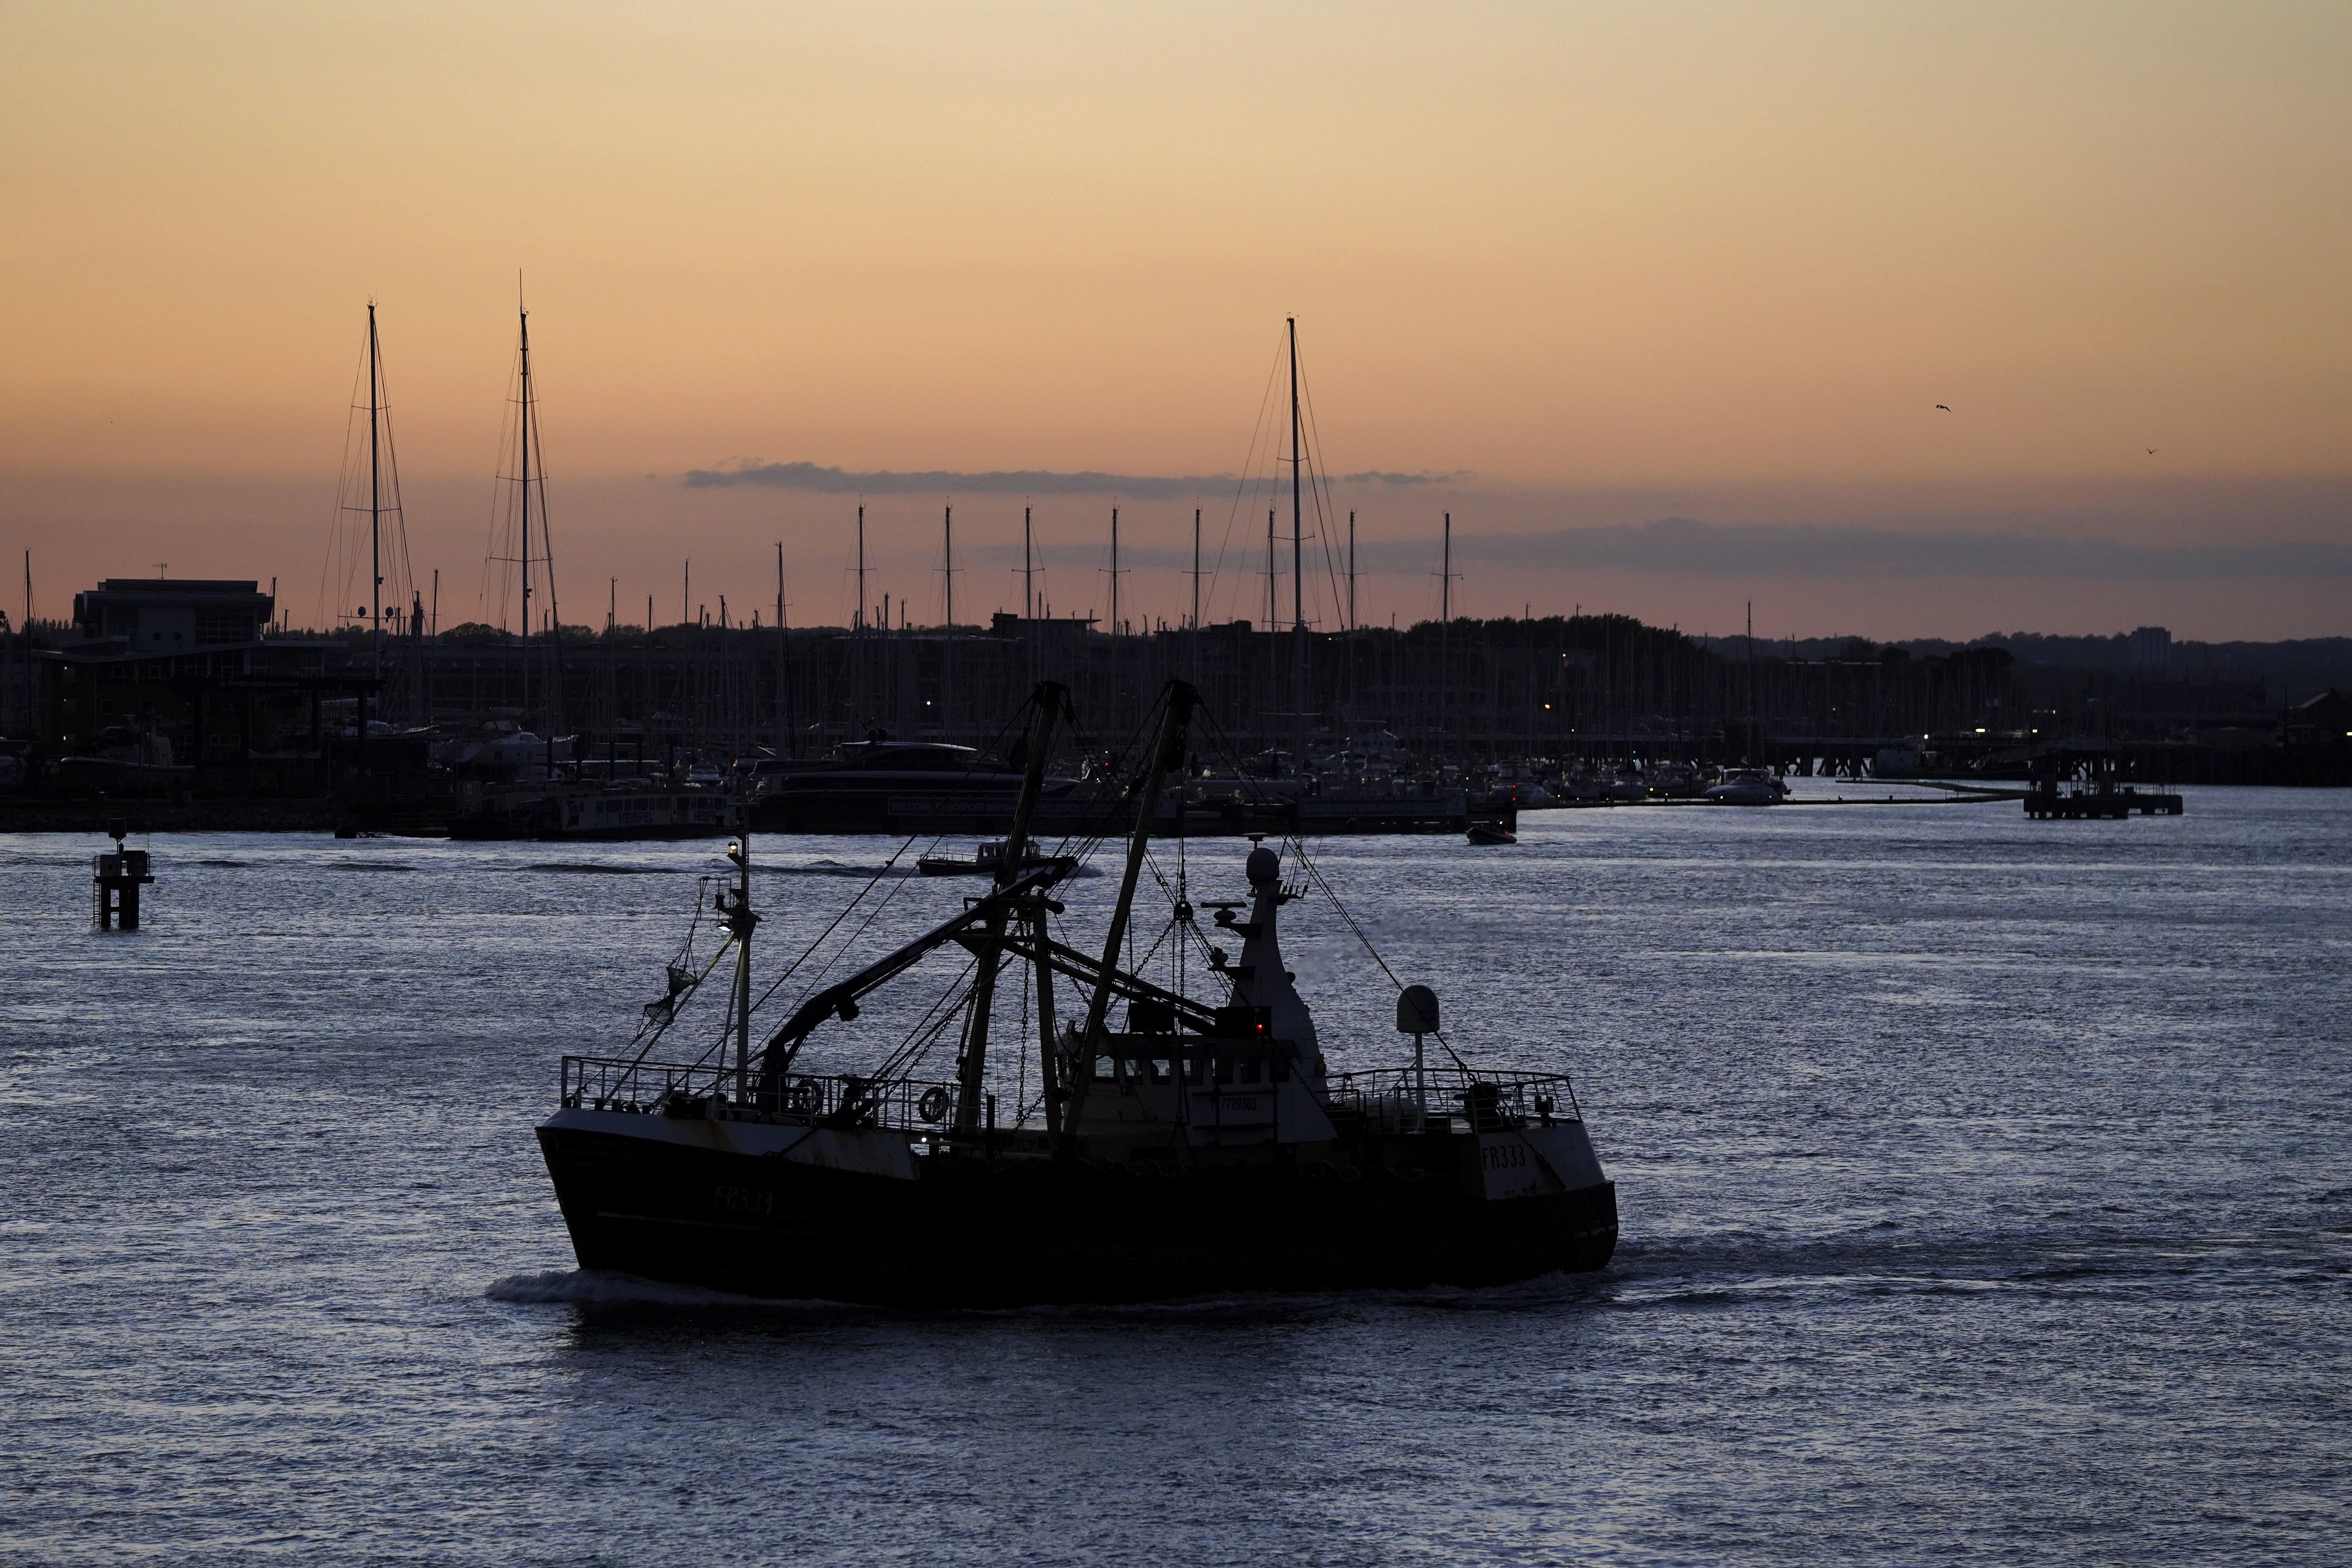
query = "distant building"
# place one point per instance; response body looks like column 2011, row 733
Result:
column 2152, row 649
column 2321, row 721
column 174, row 615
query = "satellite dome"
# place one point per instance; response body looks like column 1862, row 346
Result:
column 1265, row 866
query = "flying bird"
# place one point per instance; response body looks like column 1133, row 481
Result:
column 1945, row 406
column 2151, row 451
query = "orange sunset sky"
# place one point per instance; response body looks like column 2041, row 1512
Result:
column 1657, row 301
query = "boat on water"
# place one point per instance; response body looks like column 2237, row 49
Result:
column 1201, row 1144
column 984, row 860
column 1748, row 787
column 1491, row 833
column 591, row 811
column 888, row 787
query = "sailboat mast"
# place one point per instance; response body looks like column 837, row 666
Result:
column 1114, row 571
column 1444, row 633
column 1297, row 577
column 784, row 668
column 375, row 503
column 1351, row 570
column 1028, row 570
column 946, row 553
column 522, row 442
column 1196, row 568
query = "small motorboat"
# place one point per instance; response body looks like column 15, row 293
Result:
column 984, row 860
column 1748, row 787
column 1491, row 833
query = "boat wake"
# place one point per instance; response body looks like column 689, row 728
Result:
column 592, row 868
column 835, row 868
column 595, row 1288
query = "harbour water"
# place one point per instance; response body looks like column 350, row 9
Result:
column 1986, row 1187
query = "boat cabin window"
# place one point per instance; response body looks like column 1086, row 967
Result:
column 1191, row 1069
column 1249, row 1069
column 1158, row 1070
column 1225, row 1069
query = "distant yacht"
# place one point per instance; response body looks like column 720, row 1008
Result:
column 1748, row 787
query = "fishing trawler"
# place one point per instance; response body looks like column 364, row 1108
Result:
column 1200, row 1144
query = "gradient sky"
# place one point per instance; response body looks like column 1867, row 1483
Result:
column 1593, row 267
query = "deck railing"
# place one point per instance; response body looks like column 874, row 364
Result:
column 699, row 1089
column 1487, row 1101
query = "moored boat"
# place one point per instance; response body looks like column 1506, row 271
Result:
column 984, row 860
column 1748, row 787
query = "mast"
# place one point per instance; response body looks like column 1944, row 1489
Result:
column 376, row 503
column 947, row 648
column 739, row 921
column 784, row 664
column 1297, row 579
column 948, row 571
column 1196, row 569
column 971, row 1068
column 1270, row 623
column 1114, row 578
column 522, row 441
column 1352, row 570
column 1445, row 629
column 1028, row 570
column 1166, row 753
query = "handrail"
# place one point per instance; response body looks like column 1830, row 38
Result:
column 1489, row 1101
column 693, row 1090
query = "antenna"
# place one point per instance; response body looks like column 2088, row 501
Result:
column 1028, row 570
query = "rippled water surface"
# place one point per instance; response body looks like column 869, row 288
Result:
column 1985, row 1186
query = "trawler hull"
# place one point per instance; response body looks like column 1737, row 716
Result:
column 862, row 1217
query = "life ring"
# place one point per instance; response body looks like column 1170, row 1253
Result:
column 934, row 1103
column 808, row 1094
